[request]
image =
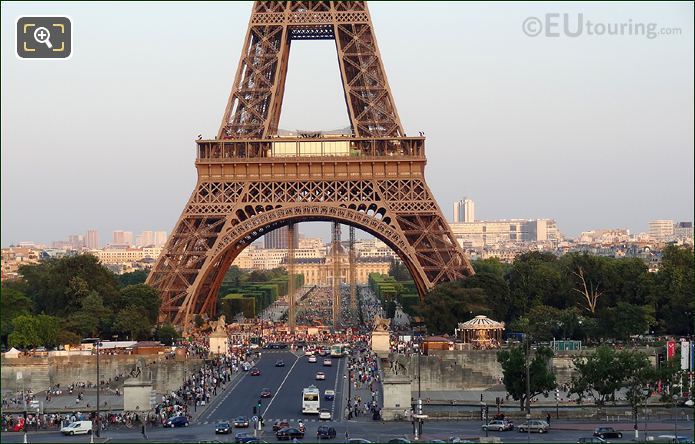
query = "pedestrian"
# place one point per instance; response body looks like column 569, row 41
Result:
column 547, row 418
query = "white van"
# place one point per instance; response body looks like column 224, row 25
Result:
column 77, row 428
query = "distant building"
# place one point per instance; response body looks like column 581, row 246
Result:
column 319, row 271
column 146, row 238
column 76, row 241
column 92, row 240
column 492, row 232
column 683, row 230
column 122, row 238
column 661, row 230
column 160, row 238
column 464, row 211
column 277, row 239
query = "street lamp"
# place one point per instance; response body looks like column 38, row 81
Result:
column 528, row 387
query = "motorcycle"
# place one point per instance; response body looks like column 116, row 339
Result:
column 301, row 427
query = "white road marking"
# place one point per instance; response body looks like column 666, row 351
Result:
column 243, row 375
column 280, row 388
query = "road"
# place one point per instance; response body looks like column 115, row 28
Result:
column 286, row 384
column 376, row 431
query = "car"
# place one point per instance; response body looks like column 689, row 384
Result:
column 280, row 425
column 246, row 366
column 329, row 395
column 177, row 421
column 241, row 421
column 223, row 427
column 245, row 437
column 324, row 352
column 255, row 372
column 534, row 425
column 498, row 425
column 607, row 432
column 266, row 393
column 279, row 363
column 77, row 428
column 325, row 414
column 327, row 363
column 676, row 439
column 320, row 376
column 289, row 433
column 325, row 432
column 309, row 353
column 591, row 440
column 399, row 441
column 358, row 441
column 312, row 359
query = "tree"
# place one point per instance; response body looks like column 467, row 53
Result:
column 513, row 363
column 626, row 319
column 535, row 279
column 132, row 278
column 399, row 271
column 88, row 319
column 51, row 286
column 496, row 291
column 13, row 303
column 590, row 293
column 34, row 331
column 166, row 334
column 598, row 375
column 25, row 332
column 133, row 320
column 450, row 303
column 142, row 296
column 674, row 302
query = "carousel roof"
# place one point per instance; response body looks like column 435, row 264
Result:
column 481, row 322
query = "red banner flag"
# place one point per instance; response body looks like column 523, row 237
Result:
column 670, row 349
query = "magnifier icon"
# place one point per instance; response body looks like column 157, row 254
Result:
column 42, row 35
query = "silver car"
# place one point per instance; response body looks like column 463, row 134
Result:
column 498, row 425
column 534, row 425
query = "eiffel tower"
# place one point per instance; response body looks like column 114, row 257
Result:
column 252, row 181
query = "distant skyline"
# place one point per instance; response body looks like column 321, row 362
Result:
column 592, row 131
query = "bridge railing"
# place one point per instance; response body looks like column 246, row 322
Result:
column 293, row 147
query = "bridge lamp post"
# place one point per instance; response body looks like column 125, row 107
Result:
column 98, row 391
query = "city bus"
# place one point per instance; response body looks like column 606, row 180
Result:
column 338, row 350
column 311, row 400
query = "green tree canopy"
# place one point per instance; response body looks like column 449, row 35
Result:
column 513, row 363
column 142, row 296
column 132, row 278
column 133, row 321
column 13, row 303
column 450, row 303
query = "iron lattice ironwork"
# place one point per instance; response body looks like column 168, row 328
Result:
column 250, row 181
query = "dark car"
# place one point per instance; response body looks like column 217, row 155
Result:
column 177, row 421
column 279, row 363
column 255, row 372
column 223, row 427
column 241, row 421
column 289, row 433
column 244, row 437
column 607, row 432
column 280, row 425
column 266, row 393
column 325, row 432
column 399, row 441
column 591, row 440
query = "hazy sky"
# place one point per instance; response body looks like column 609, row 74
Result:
column 595, row 131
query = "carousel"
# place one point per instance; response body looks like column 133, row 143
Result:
column 481, row 332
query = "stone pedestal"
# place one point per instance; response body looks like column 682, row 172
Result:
column 396, row 397
column 219, row 341
column 381, row 343
column 137, row 395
